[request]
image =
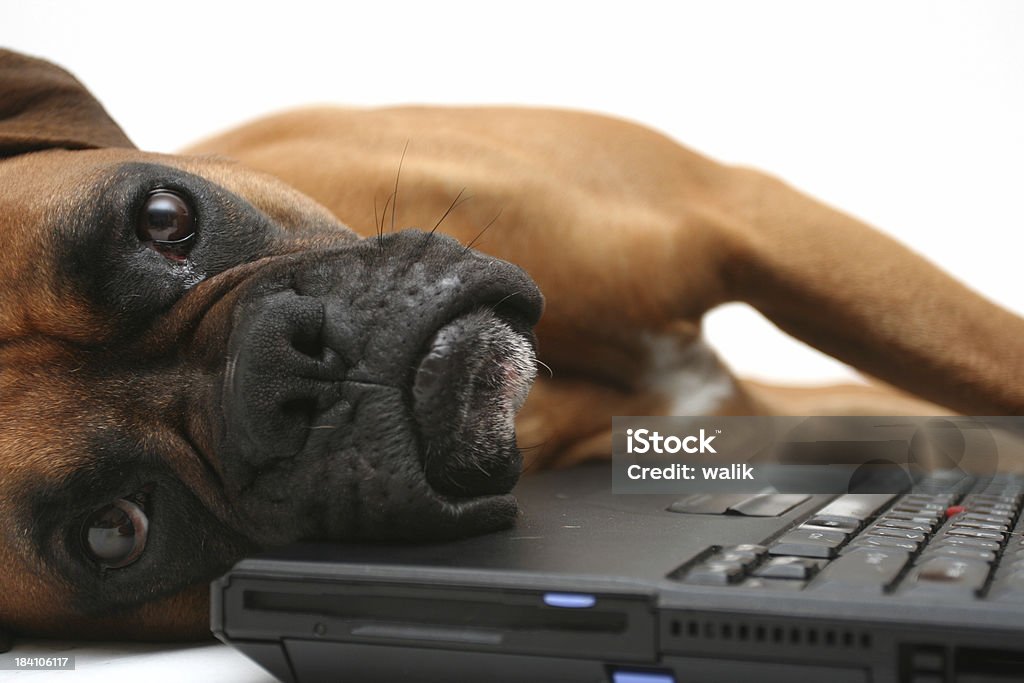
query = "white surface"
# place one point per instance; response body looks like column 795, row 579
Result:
column 143, row 662
column 905, row 114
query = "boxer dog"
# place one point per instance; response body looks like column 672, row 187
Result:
column 208, row 354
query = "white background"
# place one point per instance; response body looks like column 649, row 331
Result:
column 906, row 114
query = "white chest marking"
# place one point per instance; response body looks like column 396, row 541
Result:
column 689, row 375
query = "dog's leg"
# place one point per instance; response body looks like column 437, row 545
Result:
column 837, row 399
column 861, row 297
column 820, row 275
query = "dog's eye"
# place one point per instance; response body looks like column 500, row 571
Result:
column 115, row 535
column 166, row 223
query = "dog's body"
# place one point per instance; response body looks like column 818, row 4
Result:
column 269, row 376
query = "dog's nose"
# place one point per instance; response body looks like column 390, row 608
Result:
column 365, row 384
column 284, row 380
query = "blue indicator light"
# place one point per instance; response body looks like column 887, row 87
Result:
column 641, row 677
column 570, row 600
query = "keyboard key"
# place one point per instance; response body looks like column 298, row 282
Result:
column 921, row 526
column 716, row 573
column 920, row 507
column 994, row 501
column 869, row 541
column 972, row 524
column 952, row 576
column 832, row 533
column 978, row 534
column 708, row 503
column 992, row 509
column 744, row 561
column 859, row 506
column 768, row 504
column 977, row 543
column 847, row 525
column 809, row 543
column 991, row 502
column 799, row 568
column 862, row 570
column 876, row 530
column 772, row 584
column 943, row 499
column 926, row 518
column 958, row 551
column 745, row 553
column 988, row 519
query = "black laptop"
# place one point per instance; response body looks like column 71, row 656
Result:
column 922, row 585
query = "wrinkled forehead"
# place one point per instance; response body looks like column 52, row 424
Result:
column 59, row 211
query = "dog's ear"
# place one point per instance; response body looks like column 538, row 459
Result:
column 43, row 106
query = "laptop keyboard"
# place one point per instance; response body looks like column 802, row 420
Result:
column 948, row 538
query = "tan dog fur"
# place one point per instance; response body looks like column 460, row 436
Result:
column 633, row 237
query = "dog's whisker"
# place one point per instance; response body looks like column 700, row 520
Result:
column 481, row 233
column 378, row 224
column 551, row 373
column 394, row 207
column 479, row 465
column 503, row 299
column 451, row 207
column 459, row 199
column 383, row 217
column 536, row 463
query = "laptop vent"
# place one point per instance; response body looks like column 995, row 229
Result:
column 717, row 629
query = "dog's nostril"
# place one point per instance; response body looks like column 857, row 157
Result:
column 300, row 409
column 308, row 340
